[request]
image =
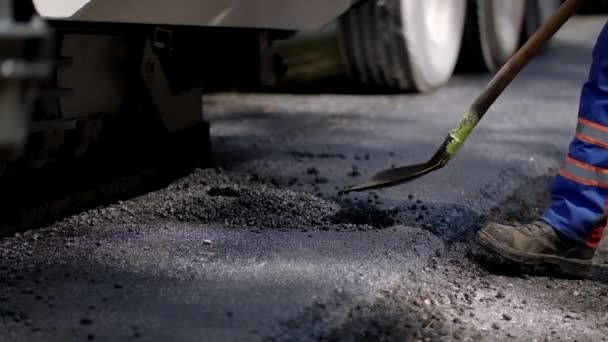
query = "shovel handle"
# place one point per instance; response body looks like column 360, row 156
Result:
column 517, row 62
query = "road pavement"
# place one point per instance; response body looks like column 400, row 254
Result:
column 263, row 247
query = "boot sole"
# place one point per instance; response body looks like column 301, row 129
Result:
column 579, row 268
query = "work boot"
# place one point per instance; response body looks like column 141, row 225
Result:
column 534, row 244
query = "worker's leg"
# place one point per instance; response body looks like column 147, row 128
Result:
column 580, row 190
column 572, row 226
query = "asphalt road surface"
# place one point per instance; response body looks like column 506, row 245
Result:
column 264, row 248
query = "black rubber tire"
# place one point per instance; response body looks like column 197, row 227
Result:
column 386, row 43
column 537, row 11
column 492, row 34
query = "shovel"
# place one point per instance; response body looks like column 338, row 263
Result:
column 458, row 135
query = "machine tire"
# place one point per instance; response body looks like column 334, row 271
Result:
column 537, row 11
column 397, row 44
column 492, row 35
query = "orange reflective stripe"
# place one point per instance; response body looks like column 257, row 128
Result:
column 592, row 133
column 582, row 180
column 593, row 125
column 585, row 166
column 590, row 140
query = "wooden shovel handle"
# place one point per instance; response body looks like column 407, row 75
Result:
column 517, row 62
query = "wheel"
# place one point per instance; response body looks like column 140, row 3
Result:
column 537, row 11
column 405, row 45
column 492, row 34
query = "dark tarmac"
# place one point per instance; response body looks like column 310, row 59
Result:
column 263, row 248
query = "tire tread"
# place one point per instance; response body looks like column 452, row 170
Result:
column 380, row 56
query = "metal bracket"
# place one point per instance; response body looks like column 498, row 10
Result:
column 163, row 39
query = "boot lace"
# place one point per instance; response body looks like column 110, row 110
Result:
column 535, row 228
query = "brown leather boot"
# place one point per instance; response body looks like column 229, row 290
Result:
column 534, row 244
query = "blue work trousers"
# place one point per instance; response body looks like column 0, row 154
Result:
column 580, row 189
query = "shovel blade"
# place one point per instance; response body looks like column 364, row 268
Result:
column 393, row 177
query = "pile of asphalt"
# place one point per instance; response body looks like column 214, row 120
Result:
column 213, row 196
